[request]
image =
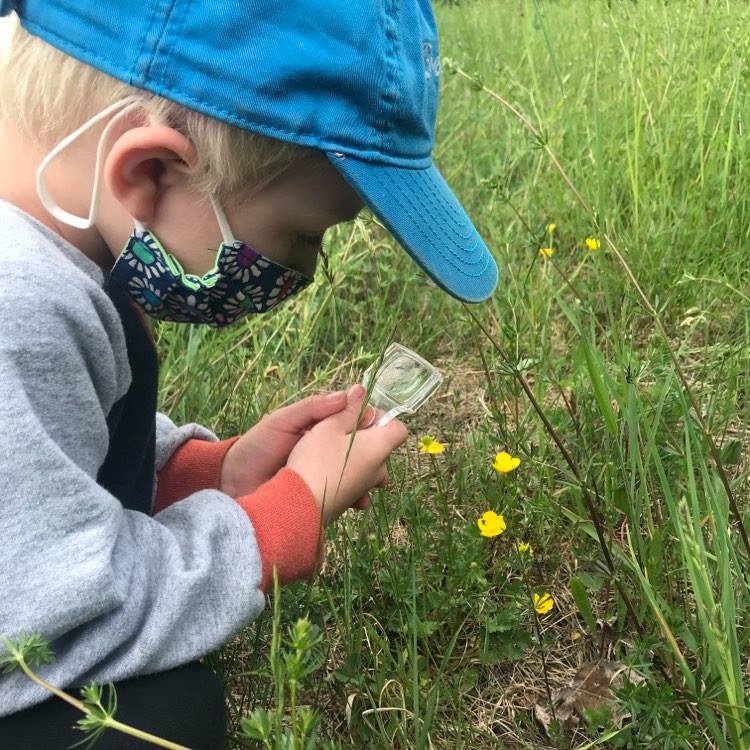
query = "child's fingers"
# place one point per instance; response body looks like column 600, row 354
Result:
column 304, row 414
column 346, row 420
column 384, row 440
column 363, row 502
column 366, row 499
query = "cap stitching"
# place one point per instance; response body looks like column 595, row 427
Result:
column 451, row 260
column 164, row 28
column 458, row 216
column 136, row 61
column 322, row 145
column 460, row 239
column 380, row 116
column 391, row 90
column 171, row 46
column 233, row 116
column 436, row 200
column 459, row 213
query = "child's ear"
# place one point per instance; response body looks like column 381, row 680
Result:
column 145, row 161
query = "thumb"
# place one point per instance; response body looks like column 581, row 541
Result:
column 304, row 414
column 347, row 419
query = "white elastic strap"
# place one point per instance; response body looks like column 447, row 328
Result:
column 221, row 218
column 389, row 415
column 48, row 201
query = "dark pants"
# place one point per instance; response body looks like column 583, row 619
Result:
column 184, row 705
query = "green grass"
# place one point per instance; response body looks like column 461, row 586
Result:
column 429, row 639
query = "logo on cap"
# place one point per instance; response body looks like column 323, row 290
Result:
column 431, row 62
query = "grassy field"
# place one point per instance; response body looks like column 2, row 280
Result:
column 619, row 376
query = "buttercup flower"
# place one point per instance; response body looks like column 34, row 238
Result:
column 491, row 524
column 543, row 603
column 546, row 252
column 430, row 445
column 504, row 463
column 524, row 548
column 592, row 243
column 551, row 227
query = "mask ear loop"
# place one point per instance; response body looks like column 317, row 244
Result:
column 81, row 222
column 221, row 219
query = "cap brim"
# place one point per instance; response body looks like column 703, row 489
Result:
column 423, row 214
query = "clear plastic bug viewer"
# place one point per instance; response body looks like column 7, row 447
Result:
column 401, row 383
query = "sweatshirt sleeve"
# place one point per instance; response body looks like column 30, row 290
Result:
column 195, row 464
column 170, row 438
column 280, row 510
column 115, row 592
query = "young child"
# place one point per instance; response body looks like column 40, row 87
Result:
column 135, row 135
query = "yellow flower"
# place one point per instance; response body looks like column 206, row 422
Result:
column 551, row 227
column 592, row 243
column 543, row 603
column 505, row 463
column 546, row 252
column 491, row 524
column 430, row 445
column 524, row 548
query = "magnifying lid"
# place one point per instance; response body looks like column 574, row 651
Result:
column 402, row 382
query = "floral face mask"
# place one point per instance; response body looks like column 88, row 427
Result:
column 241, row 282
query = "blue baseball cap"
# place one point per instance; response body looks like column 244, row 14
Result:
column 358, row 81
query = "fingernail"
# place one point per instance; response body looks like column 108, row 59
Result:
column 334, row 396
column 357, row 392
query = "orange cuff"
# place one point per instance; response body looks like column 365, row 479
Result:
column 195, row 465
column 286, row 519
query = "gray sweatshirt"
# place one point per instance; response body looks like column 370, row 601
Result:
column 115, row 592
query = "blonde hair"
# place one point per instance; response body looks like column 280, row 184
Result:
column 47, row 94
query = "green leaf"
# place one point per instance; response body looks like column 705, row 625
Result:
column 426, row 628
column 731, row 453
column 503, row 621
column 595, row 368
column 591, row 582
column 596, row 371
column 506, row 646
column 33, row 649
column 581, row 598
column 256, row 726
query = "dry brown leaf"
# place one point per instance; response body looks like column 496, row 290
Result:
column 543, row 715
column 591, row 688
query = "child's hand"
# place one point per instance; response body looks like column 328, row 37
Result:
column 264, row 449
column 320, row 457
